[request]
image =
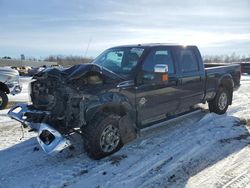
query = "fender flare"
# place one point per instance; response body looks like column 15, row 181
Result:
column 118, row 105
column 227, row 82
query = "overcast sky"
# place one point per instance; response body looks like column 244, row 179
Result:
column 39, row 28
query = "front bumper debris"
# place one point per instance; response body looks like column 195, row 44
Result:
column 51, row 140
column 16, row 90
column 19, row 111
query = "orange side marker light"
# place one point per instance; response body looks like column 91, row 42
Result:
column 165, row 77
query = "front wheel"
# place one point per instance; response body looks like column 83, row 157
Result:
column 220, row 103
column 102, row 136
column 3, row 100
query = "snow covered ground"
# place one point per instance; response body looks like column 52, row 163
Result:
column 199, row 150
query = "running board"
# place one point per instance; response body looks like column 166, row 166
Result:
column 157, row 125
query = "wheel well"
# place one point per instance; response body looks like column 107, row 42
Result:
column 228, row 85
column 115, row 109
column 4, row 88
column 126, row 121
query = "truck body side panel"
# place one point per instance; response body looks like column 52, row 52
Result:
column 215, row 75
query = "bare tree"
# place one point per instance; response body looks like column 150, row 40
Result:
column 68, row 60
column 233, row 58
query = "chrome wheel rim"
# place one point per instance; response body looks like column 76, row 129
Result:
column 222, row 101
column 110, row 138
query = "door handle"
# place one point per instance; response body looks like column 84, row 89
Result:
column 179, row 81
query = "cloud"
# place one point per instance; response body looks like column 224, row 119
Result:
column 61, row 26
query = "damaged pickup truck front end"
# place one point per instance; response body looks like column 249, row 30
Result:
column 64, row 101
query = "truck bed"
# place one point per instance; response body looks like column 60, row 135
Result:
column 218, row 69
column 214, row 72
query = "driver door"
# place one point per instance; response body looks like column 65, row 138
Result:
column 155, row 99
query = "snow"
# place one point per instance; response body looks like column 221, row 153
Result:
column 199, row 150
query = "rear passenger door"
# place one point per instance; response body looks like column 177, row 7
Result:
column 193, row 77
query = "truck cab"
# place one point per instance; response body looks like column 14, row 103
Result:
column 183, row 87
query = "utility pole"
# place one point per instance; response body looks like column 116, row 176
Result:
column 86, row 51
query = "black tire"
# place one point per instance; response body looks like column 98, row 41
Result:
column 219, row 104
column 3, row 100
column 94, row 135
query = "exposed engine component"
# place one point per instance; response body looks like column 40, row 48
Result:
column 66, row 93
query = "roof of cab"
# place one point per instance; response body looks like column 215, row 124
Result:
column 154, row 45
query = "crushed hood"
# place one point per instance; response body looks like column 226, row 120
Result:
column 77, row 71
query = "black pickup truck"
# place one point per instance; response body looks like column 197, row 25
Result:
column 124, row 90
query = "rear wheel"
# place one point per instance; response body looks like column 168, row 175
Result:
column 3, row 100
column 102, row 136
column 220, row 103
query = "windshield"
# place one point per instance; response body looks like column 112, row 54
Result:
column 120, row 60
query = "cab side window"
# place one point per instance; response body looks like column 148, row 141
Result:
column 159, row 56
column 188, row 61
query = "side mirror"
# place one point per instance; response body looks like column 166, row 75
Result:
column 161, row 68
column 161, row 71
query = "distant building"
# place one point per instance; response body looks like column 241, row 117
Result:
column 22, row 57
